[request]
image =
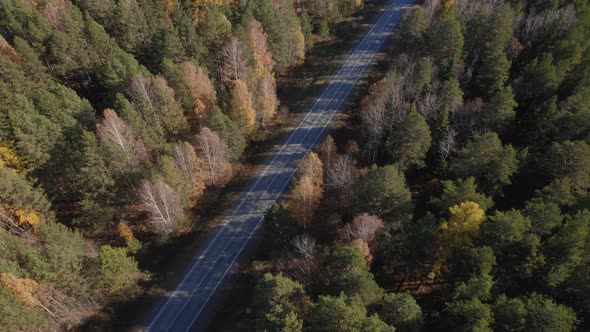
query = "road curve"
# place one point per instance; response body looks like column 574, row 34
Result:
column 182, row 310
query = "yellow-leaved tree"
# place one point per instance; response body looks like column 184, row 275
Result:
column 308, row 189
column 10, row 159
column 458, row 232
column 27, row 217
column 241, row 111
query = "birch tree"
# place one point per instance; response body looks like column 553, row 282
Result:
column 191, row 166
column 213, row 153
column 234, row 61
column 163, row 204
column 114, row 130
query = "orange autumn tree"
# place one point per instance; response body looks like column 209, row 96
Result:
column 307, row 190
column 200, row 87
column 261, row 79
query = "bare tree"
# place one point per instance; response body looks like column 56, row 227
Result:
column 395, row 100
column 533, row 26
column 142, row 90
column 328, row 150
column 363, row 227
column 114, row 129
column 431, row 103
column 373, row 118
column 163, row 204
column 448, row 143
column 305, row 245
column 214, row 154
column 470, row 8
column 340, row 176
column 234, row 61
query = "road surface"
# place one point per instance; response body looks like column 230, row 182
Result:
column 182, row 310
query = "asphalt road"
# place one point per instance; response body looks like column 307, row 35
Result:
column 183, row 310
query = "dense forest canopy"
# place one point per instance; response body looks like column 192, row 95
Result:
column 116, row 117
column 463, row 203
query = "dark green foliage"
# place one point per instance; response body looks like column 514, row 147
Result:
column 412, row 31
column 421, row 239
column 563, row 249
column 543, row 314
column 485, row 158
column 36, row 136
column 571, row 159
column 118, row 272
column 278, row 229
column 344, row 313
column 468, row 315
column 280, row 302
column 456, row 192
column 348, row 272
column 493, row 71
column 63, row 252
column 401, row 311
column 18, row 193
column 445, row 41
column 478, row 261
column 478, row 287
column 576, row 122
column 545, row 216
column 538, row 82
column 409, row 141
column 15, row 316
column 383, row 191
column 509, row 314
column 229, row 133
column 504, row 228
column 498, row 115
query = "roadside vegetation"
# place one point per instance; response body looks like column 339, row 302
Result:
column 457, row 197
column 119, row 120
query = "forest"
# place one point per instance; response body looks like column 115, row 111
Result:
column 117, row 119
column 456, row 196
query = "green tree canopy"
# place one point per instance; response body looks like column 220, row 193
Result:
column 383, row 191
column 485, row 158
column 348, row 272
column 409, row 141
column 402, row 311
column 344, row 313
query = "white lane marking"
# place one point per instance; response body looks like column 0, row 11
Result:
column 338, row 86
column 270, row 164
column 278, row 154
column 278, row 194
